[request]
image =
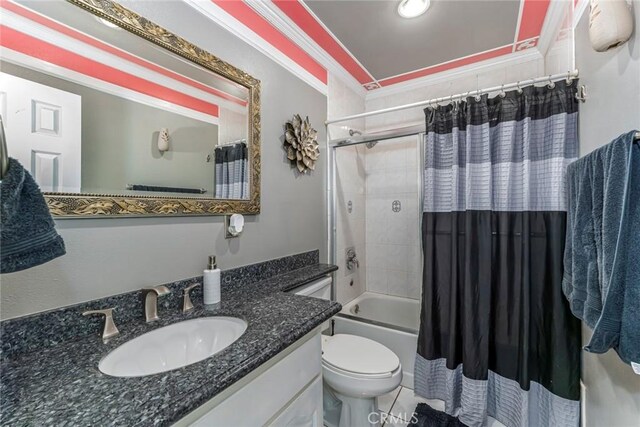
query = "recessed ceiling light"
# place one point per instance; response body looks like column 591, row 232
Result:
column 413, row 8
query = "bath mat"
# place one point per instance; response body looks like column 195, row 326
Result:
column 426, row 416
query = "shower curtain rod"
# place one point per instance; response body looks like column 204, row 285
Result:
column 553, row 77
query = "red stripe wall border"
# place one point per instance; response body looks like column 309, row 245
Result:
column 532, row 19
column 263, row 28
column 63, row 29
column 310, row 25
column 447, row 66
column 36, row 48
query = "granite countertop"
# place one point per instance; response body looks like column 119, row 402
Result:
column 61, row 385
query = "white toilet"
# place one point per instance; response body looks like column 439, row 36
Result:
column 356, row 371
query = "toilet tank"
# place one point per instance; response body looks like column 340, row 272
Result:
column 320, row 288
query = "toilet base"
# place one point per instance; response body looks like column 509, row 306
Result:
column 345, row 411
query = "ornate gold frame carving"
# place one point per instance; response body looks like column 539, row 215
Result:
column 74, row 205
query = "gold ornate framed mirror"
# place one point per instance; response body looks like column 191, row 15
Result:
column 116, row 116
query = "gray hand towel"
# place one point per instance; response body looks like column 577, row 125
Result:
column 601, row 268
column 27, row 232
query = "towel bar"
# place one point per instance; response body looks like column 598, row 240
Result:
column 140, row 187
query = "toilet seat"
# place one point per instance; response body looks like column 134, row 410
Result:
column 357, row 375
column 358, row 357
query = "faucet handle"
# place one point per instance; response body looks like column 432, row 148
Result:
column 186, row 300
column 110, row 328
column 352, row 259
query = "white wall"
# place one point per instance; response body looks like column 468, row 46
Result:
column 110, row 256
column 343, row 101
column 612, row 394
column 560, row 56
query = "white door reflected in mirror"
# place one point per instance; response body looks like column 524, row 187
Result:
column 43, row 131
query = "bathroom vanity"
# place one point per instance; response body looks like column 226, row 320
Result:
column 50, row 361
column 292, row 381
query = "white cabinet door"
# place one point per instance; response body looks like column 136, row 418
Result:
column 305, row 411
column 264, row 398
column 43, row 129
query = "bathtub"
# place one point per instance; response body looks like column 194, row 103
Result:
column 389, row 320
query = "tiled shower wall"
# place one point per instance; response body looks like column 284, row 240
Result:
column 394, row 262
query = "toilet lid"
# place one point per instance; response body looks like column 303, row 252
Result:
column 358, row 355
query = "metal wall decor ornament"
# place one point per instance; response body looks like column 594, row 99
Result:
column 301, row 143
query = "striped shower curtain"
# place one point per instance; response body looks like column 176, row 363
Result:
column 232, row 168
column 497, row 337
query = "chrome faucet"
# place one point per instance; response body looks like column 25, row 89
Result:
column 186, row 298
column 151, row 301
column 110, row 328
column 352, row 259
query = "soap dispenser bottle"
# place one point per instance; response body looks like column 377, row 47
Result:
column 211, row 282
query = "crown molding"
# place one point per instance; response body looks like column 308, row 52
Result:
column 237, row 28
column 465, row 70
column 276, row 17
column 558, row 10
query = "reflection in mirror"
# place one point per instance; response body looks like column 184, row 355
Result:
column 94, row 109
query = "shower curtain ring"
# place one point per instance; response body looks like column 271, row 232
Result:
column 518, row 86
column 478, row 97
column 551, row 84
column 502, row 92
column 569, row 78
column 454, row 105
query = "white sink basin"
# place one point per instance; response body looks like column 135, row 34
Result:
column 172, row 346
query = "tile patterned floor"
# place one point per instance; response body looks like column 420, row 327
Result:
column 398, row 406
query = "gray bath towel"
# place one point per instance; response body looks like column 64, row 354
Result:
column 27, row 233
column 601, row 261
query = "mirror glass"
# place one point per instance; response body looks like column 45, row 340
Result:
column 92, row 108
